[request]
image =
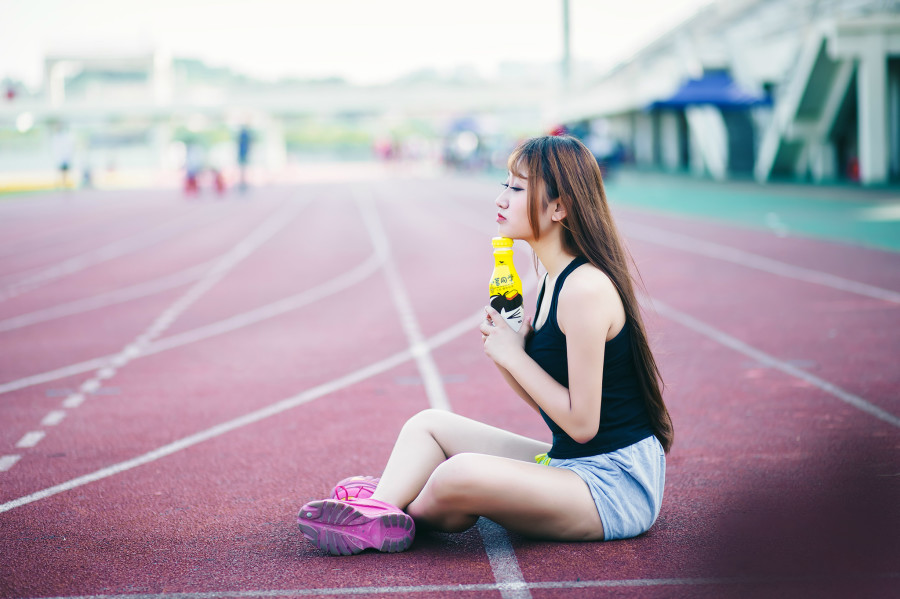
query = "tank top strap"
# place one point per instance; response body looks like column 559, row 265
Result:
column 557, row 287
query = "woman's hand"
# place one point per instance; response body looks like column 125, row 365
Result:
column 501, row 343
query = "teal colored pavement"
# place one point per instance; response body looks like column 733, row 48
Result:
column 842, row 213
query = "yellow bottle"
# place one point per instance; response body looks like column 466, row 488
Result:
column 506, row 287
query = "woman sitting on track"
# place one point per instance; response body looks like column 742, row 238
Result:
column 586, row 367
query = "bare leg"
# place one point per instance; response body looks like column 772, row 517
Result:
column 430, row 437
column 531, row 499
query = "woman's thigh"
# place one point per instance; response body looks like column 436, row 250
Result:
column 457, row 434
column 528, row 498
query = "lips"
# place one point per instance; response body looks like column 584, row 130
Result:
column 500, row 218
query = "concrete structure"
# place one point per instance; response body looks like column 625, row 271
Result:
column 144, row 97
column 824, row 77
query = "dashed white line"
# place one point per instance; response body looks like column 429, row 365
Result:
column 31, row 439
column 89, row 386
column 141, row 347
column 106, row 373
column 260, row 235
column 8, row 461
column 74, row 400
column 53, row 418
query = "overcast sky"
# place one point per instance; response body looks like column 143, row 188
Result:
column 365, row 41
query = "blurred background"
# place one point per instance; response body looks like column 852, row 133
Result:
column 124, row 93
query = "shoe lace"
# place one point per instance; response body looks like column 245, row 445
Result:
column 339, row 489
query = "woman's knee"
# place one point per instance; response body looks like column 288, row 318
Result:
column 446, row 500
column 424, row 420
column 455, row 481
column 430, row 422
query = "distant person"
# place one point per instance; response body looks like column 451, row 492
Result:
column 193, row 167
column 245, row 139
column 586, row 368
column 63, row 148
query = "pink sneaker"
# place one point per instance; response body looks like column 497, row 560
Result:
column 348, row 527
column 355, row 487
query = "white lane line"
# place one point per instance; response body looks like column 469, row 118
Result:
column 499, row 550
column 428, row 370
column 137, row 349
column 8, row 461
column 216, row 431
column 31, row 439
column 283, row 306
column 468, row 588
column 464, row 326
column 33, row 279
column 53, row 418
column 747, row 259
column 106, row 299
column 259, row 236
column 504, row 564
column 771, row 361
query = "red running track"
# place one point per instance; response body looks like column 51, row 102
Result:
column 178, row 377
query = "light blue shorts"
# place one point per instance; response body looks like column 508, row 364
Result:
column 626, row 484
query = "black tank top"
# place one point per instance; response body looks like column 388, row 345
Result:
column 623, row 414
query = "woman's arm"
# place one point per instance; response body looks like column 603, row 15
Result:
column 512, row 382
column 588, row 306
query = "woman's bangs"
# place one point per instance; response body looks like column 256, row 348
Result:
column 517, row 164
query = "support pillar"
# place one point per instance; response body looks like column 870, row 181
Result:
column 871, row 89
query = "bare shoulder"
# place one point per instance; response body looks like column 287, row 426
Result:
column 590, row 296
column 588, row 283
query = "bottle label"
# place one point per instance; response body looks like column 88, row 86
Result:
column 506, row 297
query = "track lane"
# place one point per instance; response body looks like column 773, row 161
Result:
column 695, row 492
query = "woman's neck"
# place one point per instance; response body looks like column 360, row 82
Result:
column 549, row 250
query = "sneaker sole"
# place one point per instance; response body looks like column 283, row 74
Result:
column 341, row 529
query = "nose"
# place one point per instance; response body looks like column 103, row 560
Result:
column 502, row 201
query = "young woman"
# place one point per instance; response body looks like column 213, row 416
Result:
column 585, row 365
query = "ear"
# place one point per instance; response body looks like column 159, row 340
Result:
column 559, row 213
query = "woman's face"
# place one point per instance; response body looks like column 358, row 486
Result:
column 512, row 205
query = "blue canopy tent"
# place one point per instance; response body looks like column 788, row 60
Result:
column 716, row 89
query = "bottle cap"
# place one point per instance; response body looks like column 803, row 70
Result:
column 502, row 242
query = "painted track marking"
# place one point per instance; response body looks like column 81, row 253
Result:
column 232, row 323
column 31, row 439
column 32, row 279
column 392, row 361
column 450, row 588
column 249, row 244
column 434, row 387
column 764, row 358
column 734, row 255
column 500, row 553
column 750, row 260
column 104, row 300
column 468, row 588
column 740, row 257
column 8, row 461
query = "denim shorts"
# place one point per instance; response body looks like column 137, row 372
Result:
column 626, row 484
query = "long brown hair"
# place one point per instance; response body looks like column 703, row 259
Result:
column 561, row 167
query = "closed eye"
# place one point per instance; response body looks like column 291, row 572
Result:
column 507, row 186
